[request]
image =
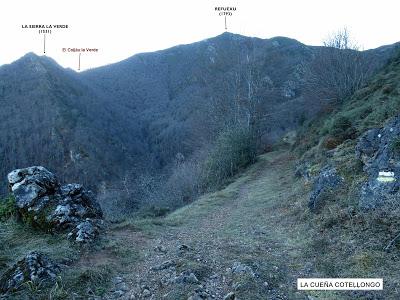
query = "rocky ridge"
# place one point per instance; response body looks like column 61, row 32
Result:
column 44, row 203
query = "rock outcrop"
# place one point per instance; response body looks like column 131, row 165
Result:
column 326, row 182
column 35, row 267
column 44, row 203
column 32, row 187
column 379, row 150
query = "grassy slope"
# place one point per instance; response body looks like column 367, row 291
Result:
column 357, row 237
column 260, row 220
column 17, row 239
column 369, row 107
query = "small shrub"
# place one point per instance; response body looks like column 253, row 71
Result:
column 387, row 89
column 58, row 291
column 342, row 127
column 95, row 281
column 395, row 145
column 200, row 269
column 331, row 142
column 156, row 211
column 8, row 208
column 365, row 112
column 33, row 287
column 184, row 184
column 234, row 149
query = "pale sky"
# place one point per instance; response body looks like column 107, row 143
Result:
column 122, row 28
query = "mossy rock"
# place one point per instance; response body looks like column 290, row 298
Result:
column 39, row 219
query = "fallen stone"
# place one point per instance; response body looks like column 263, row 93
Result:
column 160, row 248
column 200, row 293
column 118, row 293
column 117, row 280
column 186, row 277
column 183, row 247
column 327, row 181
column 146, row 293
column 375, row 194
column 165, row 265
column 239, row 268
column 35, row 267
column 85, row 231
column 230, row 296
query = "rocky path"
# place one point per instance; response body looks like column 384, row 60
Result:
column 244, row 242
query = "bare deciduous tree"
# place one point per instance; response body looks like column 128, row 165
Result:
column 341, row 39
column 337, row 70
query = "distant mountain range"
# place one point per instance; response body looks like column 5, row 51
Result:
column 138, row 114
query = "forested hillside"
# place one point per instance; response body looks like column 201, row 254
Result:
column 224, row 169
column 130, row 130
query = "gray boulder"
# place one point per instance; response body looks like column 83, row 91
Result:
column 376, row 150
column 165, row 265
column 75, row 205
column 35, row 267
column 375, row 194
column 44, row 203
column 368, row 145
column 85, row 231
column 325, row 183
column 379, row 151
column 32, row 187
column 186, row 277
column 239, row 268
column 201, row 293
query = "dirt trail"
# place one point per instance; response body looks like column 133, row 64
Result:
column 245, row 239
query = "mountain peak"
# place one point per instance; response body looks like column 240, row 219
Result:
column 230, row 35
column 32, row 62
column 31, row 55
